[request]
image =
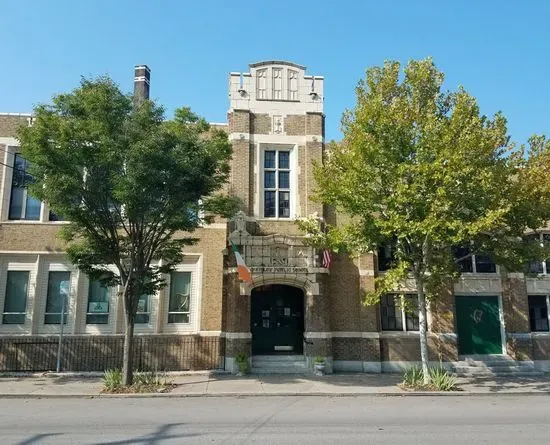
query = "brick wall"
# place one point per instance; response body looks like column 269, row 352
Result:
column 31, row 237
column 515, row 304
column 405, row 348
column 239, row 121
column 343, row 292
column 10, row 123
column 98, row 353
column 541, row 348
column 295, row 125
column 260, row 123
column 315, row 124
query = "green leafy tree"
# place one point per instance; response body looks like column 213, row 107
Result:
column 424, row 170
column 132, row 185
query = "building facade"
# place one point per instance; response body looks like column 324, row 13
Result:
column 293, row 311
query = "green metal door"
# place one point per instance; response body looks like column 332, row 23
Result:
column 478, row 325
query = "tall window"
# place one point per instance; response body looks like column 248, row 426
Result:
column 539, row 267
column 143, row 310
column 538, row 313
column 394, row 308
column 180, row 294
column 59, row 284
column 473, row 263
column 277, row 184
column 386, row 255
column 15, row 302
column 98, row 303
column 22, row 205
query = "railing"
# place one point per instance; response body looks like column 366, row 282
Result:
column 97, row 353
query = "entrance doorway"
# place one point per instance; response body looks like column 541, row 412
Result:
column 277, row 320
column 478, row 325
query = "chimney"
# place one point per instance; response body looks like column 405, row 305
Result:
column 142, row 76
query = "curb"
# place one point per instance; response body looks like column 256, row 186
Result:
column 282, row 394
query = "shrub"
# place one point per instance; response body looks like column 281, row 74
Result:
column 112, row 379
column 413, row 377
column 441, row 379
column 242, row 363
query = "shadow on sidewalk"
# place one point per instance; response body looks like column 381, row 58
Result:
column 338, row 379
column 506, row 384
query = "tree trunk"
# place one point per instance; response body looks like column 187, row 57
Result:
column 423, row 327
column 127, row 359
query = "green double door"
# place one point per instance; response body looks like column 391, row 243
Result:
column 478, row 325
column 277, row 320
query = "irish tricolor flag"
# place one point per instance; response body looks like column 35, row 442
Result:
column 244, row 272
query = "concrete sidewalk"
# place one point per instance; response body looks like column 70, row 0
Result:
column 216, row 385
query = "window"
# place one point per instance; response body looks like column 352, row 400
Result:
column 15, row 302
column 180, row 294
column 59, row 284
column 484, row 264
column 386, row 256
column 538, row 313
column 143, row 310
column 473, row 263
column 22, row 205
column 538, row 267
column 276, row 184
column 394, row 308
column 98, row 303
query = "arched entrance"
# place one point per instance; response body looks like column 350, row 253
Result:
column 277, row 320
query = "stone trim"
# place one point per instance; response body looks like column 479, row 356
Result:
column 315, row 138
column 239, row 136
column 519, row 335
column 237, row 335
column 342, row 334
column 210, row 333
column 366, row 273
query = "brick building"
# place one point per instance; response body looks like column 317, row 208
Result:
column 295, row 309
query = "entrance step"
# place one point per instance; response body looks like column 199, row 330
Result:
column 494, row 366
column 279, row 364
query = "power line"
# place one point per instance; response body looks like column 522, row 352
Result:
column 13, row 168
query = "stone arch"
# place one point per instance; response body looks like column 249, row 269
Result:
column 301, row 282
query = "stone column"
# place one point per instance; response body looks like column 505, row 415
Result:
column 515, row 305
column 317, row 323
column 241, row 166
column 442, row 340
column 237, row 315
column 369, row 317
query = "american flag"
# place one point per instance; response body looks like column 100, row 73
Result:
column 327, row 258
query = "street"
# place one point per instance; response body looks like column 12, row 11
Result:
column 277, row 420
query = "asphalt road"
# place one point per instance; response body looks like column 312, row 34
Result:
column 278, row 420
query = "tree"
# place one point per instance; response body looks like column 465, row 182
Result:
column 424, row 170
column 132, row 185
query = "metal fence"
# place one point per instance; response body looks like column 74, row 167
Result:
column 98, row 353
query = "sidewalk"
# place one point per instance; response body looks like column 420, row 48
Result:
column 215, row 385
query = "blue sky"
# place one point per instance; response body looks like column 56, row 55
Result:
column 499, row 50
